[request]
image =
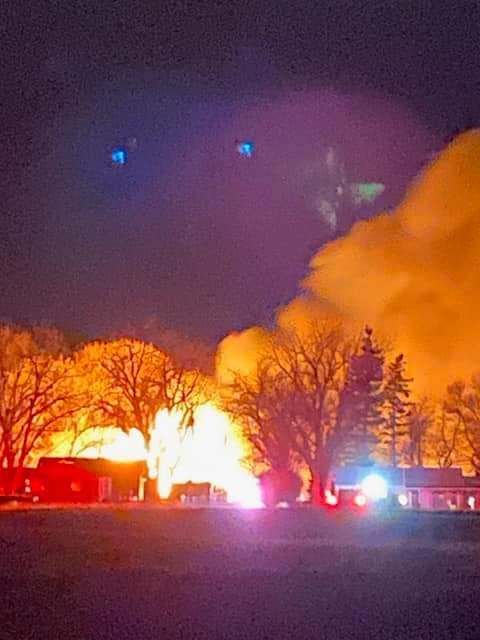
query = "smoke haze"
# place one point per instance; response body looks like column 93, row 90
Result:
column 413, row 274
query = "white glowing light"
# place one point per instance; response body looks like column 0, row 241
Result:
column 471, row 502
column 375, row 487
column 402, row 500
column 360, row 500
column 331, row 499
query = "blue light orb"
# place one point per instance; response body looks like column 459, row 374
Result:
column 119, row 156
column 246, row 148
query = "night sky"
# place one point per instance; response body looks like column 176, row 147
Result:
column 188, row 230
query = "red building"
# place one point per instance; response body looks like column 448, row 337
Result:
column 84, row 480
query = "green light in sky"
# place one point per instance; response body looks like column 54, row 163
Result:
column 366, row 191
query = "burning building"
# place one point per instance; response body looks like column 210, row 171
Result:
column 180, row 463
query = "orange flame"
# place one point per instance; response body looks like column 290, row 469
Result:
column 118, row 445
column 212, row 451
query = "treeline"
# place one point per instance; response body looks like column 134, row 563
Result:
column 51, row 395
column 313, row 399
column 322, row 398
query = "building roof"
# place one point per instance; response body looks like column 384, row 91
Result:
column 472, row 481
column 97, row 466
column 353, row 475
column 415, row 477
column 433, row 477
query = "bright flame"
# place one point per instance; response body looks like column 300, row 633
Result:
column 115, row 444
column 212, row 451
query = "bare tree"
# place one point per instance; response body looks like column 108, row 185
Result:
column 288, row 408
column 187, row 351
column 314, row 366
column 258, row 404
column 419, row 422
column 36, row 396
column 135, row 380
column 461, row 424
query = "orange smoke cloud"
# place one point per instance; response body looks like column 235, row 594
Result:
column 412, row 274
column 238, row 352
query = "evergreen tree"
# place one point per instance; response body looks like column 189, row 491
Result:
column 361, row 402
column 394, row 433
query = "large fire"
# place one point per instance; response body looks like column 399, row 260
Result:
column 210, row 451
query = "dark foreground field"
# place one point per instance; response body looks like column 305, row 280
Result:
column 168, row 574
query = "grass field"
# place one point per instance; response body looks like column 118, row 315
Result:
column 159, row 573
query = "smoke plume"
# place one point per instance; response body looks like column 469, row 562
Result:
column 413, row 274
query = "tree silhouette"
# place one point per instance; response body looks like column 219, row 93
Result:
column 288, row 407
column 361, row 402
column 394, row 432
